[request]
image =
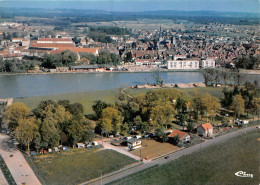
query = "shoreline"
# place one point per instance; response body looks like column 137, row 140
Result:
column 249, row 72
column 87, row 72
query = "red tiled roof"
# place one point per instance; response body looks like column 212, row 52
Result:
column 50, row 45
column 76, row 50
column 176, row 132
column 207, row 126
column 54, row 39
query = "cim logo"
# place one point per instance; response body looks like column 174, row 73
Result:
column 243, row 174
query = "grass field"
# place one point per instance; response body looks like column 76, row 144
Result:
column 214, row 165
column 152, row 148
column 78, row 165
column 109, row 96
column 86, row 98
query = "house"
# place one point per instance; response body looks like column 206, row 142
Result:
column 205, row 130
column 134, row 144
column 80, row 145
column 184, row 137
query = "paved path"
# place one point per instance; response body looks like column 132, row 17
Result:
column 18, row 166
column 131, row 170
column 122, row 150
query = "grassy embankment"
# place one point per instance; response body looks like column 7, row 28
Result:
column 77, row 165
column 109, row 96
column 214, row 165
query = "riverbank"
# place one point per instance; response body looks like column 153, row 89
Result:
column 245, row 71
column 88, row 98
column 92, row 72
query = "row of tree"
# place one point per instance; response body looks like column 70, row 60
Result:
column 104, row 57
column 248, row 62
column 222, row 75
column 155, row 109
column 17, row 66
column 242, row 98
column 49, row 125
column 65, row 58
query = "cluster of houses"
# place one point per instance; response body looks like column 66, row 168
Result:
column 174, row 49
column 204, row 130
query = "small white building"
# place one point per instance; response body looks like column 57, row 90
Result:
column 134, row 144
column 205, row 130
column 80, row 145
column 208, row 63
column 186, row 64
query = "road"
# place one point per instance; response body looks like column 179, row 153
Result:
column 17, row 165
column 131, row 170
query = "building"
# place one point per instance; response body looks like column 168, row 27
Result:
column 184, row 137
column 183, row 64
column 55, row 41
column 205, row 130
column 134, row 144
column 208, row 63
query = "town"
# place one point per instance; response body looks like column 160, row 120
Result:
column 195, row 121
column 106, row 48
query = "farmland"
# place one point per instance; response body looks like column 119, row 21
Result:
column 216, row 164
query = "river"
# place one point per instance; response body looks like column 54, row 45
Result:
column 14, row 86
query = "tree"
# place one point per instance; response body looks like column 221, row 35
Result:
column 181, row 104
column 256, row 106
column 14, row 113
column 161, row 115
column 98, row 107
column 207, row 75
column 183, row 118
column 26, row 131
column 137, row 121
column 75, row 131
column 68, row 57
column 111, row 120
column 225, row 75
column 157, row 78
column 161, row 135
column 176, row 139
column 124, row 129
column 88, row 134
column 128, row 57
column 238, row 105
column 144, row 127
column 50, row 133
column 210, row 103
column 190, row 126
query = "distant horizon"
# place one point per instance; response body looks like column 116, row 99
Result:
column 239, row 6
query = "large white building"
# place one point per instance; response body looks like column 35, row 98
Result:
column 185, row 64
column 208, row 63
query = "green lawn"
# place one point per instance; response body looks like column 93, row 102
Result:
column 214, row 165
column 78, row 165
column 86, row 98
column 109, row 96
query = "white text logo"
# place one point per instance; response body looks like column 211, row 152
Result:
column 243, row 174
